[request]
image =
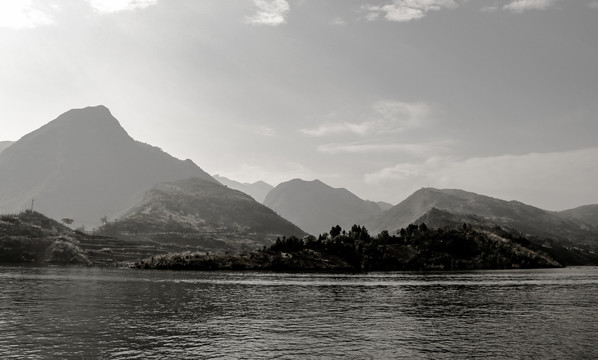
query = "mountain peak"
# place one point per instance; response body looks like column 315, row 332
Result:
column 95, row 116
column 315, row 206
column 258, row 190
column 85, row 129
column 83, row 165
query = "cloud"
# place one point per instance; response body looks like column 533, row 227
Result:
column 550, row 180
column 265, row 131
column 490, row 8
column 520, row 6
column 387, row 117
column 407, row 10
column 270, row 12
column 26, row 14
column 397, row 115
column 337, row 128
column 416, row 149
column 19, row 14
column 338, row 21
column 593, row 4
column 111, row 6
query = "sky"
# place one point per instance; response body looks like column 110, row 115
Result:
column 382, row 97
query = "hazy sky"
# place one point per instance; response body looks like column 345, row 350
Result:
column 498, row 97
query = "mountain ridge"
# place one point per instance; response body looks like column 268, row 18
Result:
column 83, row 165
column 437, row 207
column 586, row 213
column 257, row 190
column 314, row 205
column 202, row 215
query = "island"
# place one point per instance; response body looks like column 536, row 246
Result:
column 413, row 248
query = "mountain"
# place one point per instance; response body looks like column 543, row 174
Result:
column 83, row 165
column 315, row 207
column 384, row 205
column 202, row 215
column 5, row 144
column 587, row 214
column 257, row 190
column 450, row 207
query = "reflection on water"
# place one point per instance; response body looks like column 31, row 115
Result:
column 91, row 313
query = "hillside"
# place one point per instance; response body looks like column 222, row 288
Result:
column 587, row 214
column 5, row 144
column 417, row 248
column 449, row 207
column 313, row 205
column 384, row 205
column 30, row 237
column 257, row 190
column 201, row 215
column 83, row 165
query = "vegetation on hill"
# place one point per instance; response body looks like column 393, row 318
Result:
column 202, row 215
column 30, row 237
column 413, row 248
column 439, row 208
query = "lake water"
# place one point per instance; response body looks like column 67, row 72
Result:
column 66, row 312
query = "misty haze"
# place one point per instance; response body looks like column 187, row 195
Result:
column 410, row 179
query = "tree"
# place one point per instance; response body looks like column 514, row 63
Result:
column 67, row 221
column 364, row 235
column 423, row 227
column 411, row 228
column 335, row 231
column 104, row 220
column 384, row 236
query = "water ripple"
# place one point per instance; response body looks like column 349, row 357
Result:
column 123, row 314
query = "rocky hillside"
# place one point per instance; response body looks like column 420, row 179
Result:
column 83, row 165
column 202, row 215
column 313, row 205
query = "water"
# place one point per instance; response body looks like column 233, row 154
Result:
column 56, row 312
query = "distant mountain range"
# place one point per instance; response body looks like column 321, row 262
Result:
column 201, row 214
column 436, row 208
column 84, row 166
column 257, row 190
column 315, row 207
